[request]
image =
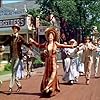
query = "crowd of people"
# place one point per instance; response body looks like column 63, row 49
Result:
column 77, row 59
column 80, row 59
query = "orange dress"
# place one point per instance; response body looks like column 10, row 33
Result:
column 50, row 83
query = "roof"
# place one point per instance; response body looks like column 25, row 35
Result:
column 20, row 5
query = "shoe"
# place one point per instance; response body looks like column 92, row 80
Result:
column 95, row 75
column 28, row 76
column 81, row 74
column 19, row 88
column 76, row 79
column 71, row 82
column 50, row 92
column 87, row 81
column 9, row 91
column 63, row 79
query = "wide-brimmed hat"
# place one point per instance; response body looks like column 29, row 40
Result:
column 87, row 38
column 74, row 42
column 52, row 30
column 17, row 26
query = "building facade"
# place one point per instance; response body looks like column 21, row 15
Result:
column 15, row 13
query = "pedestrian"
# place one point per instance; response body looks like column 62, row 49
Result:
column 20, row 70
column 29, row 61
column 62, row 41
column 15, row 41
column 50, row 83
column 97, row 57
column 2, row 48
column 71, row 74
column 88, row 49
column 80, row 62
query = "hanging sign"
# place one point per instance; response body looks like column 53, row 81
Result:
column 10, row 22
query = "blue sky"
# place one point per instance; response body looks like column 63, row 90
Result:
column 10, row 1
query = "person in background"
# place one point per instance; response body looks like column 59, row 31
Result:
column 88, row 49
column 29, row 61
column 20, row 71
column 50, row 84
column 80, row 62
column 71, row 74
column 62, row 41
column 2, row 48
column 96, row 57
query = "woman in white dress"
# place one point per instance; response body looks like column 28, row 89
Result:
column 20, row 71
column 96, row 57
column 80, row 62
column 71, row 74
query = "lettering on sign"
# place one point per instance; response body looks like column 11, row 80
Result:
column 10, row 22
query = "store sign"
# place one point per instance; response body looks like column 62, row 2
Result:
column 10, row 22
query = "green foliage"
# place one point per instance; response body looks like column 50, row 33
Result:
column 38, row 61
column 7, row 67
column 4, row 72
column 45, row 23
column 79, row 13
column 34, row 12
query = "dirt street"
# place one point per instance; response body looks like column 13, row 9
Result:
column 31, row 88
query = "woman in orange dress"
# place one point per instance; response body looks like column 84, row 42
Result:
column 50, row 83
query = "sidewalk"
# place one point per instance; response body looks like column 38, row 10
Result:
column 8, row 76
column 31, row 88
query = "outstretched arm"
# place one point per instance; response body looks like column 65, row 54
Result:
column 24, row 41
column 36, row 43
column 63, row 45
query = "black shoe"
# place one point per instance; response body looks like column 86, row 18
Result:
column 9, row 91
column 28, row 76
column 50, row 92
column 71, row 82
column 19, row 88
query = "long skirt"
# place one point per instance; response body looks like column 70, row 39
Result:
column 50, row 83
column 72, row 73
column 20, row 71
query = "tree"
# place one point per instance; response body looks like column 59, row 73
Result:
column 77, row 13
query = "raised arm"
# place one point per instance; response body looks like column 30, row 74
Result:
column 24, row 41
column 36, row 43
column 63, row 45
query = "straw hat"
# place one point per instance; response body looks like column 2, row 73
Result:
column 52, row 30
column 73, row 41
column 17, row 26
column 87, row 38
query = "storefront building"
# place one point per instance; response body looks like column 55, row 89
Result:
column 11, row 14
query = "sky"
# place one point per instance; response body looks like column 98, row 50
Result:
column 10, row 1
